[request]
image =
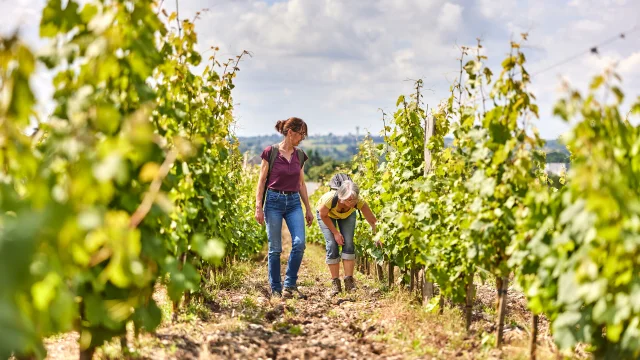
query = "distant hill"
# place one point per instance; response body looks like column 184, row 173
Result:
column 555, row 146
column 344, row 147
column 336, row 147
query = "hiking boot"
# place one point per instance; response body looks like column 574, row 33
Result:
column 336, row 287
column 290, row 293
column 349, row 284
column 276, row 294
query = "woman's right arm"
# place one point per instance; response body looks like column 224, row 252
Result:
column 264, row 169
column 324, row 215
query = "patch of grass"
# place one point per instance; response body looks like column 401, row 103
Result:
column 113, row 349
column 232, row 277
column 249, row 303
column 333, row 313
column 197, row 310
column 166, row 311
column 416, row 345
column 224, row 302
column 398, row 313
column 307, row 283
column 291, row 305
column 382, row 336
column 296, row 330
column 251, row 312
column 286, row 327
column 514, row 323
column 57, row 337
column 231, row 325
column 488, row 340
column 489, row 310
column 110, row 350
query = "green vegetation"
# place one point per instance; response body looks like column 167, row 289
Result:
column 135, row 179
column 136, row 184
column 557, row 157
column 484, row 207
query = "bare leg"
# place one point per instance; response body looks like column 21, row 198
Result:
column 348, row 267
column 335, row 270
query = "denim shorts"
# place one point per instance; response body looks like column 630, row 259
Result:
column 347, row 228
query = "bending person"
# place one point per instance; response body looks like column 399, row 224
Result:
column 337, row 220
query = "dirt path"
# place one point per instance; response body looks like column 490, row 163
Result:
column 247, row 324
column 240, row 321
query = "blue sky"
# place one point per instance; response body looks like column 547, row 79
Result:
column 334, row 63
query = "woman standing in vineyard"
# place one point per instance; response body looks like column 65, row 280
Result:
column 337, row 209
column 280, row 190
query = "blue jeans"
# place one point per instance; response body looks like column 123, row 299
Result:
column 347, row 228
column 277, row 207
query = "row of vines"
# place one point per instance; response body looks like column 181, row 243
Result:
column 134, row 181
column 484, row 208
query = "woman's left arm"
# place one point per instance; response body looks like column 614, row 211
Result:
column 305, row 199
column 368, row 215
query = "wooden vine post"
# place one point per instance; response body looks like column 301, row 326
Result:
column 502, row 286
column 534, row 337
column 471, row 289
column 427, row 286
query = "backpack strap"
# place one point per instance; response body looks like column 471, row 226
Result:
column 301, row 157
column 273, row 154
column 334, row 201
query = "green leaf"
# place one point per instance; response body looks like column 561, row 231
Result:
column 509, row 63
column 44, row 291
column 22, row 100
column 614, row 332
column 635, row 108
column 107, row 119
column 211, row 250
column 94, row 310
column 148, row 317
column 596, row 82
column 56, row 19
column 618, row 93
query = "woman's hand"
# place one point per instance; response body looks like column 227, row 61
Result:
column 309, row 217
column 339, row 238
column 259, row 216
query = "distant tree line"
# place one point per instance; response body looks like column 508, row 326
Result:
column 329, row 152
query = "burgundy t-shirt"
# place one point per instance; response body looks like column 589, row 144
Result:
column 285, row 175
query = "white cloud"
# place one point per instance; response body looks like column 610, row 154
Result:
column 588, row 26
column 493, row 9
column 630, row 65
column 335, row 62
column 450, row 16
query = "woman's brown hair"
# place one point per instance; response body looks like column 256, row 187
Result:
column 296, row 124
